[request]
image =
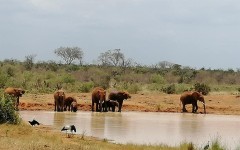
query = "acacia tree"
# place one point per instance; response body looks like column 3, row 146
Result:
column 69, row 54
column 114, row 58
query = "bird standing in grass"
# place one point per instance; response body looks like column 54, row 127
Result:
column 70, row 128
column 34, row 122
column 206, row 146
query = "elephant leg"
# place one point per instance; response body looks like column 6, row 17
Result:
column 113, row 108
column 120, row 106
column 92, row 106
column 97, row 107
column 69, row 108
column 17, row 103
column 184, row 108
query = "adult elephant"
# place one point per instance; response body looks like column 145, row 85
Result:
column 98, row 97
column 119, row 96
column 192, row 98
column 59, row 97
column 67, row 103
column 15, row 92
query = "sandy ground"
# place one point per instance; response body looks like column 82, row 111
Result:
column 216, row 103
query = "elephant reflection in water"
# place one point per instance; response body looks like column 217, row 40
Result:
column 192, row 98
column 97, row 124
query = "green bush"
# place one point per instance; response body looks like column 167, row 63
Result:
column 156, row 78
column 7, row 111
column 86, row 87
column 202, row 87
column 169, row 89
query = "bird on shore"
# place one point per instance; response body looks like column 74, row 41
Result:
column 206, row 146
column 34, row 122
column 70, row 128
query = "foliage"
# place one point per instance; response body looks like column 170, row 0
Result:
column 86, row 87
column 44, row 76
column 28, row 63
column 203, row 88
column 169, row 89
column 7, row 110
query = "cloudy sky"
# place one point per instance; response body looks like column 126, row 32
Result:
column 195, row 33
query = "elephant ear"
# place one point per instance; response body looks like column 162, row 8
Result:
column 196, row 95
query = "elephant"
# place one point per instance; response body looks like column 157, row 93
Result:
column 59, row 97
column 119, row 96
column 68, row 101
column 110, row 104
column 191, row 98
column 98, row 97
column 15, row 92
column 74, row 106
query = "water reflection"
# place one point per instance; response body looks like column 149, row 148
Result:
column 147, row 128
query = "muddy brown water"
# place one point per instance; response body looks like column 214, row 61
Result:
column 146, row 127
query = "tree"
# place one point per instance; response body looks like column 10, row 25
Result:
column 114, row 58
column 69, row 54
column 28, row 62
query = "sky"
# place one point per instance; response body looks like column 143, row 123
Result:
column 195, row 33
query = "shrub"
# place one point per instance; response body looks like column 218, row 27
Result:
column 169, row 89
column 86, row 87
column 156, row 78
column 203, row 88
column 7, row 111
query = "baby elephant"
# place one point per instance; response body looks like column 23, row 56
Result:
column 70, row 104
column 73, row 106
column 110, row 105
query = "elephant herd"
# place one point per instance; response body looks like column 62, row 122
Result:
column 63, row 103
column 115, row 99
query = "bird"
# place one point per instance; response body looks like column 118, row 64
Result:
column 70, row 128
column 206, row 146
column 34, row 122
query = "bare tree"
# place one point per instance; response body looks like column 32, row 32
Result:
column 28, row 62
column 69, row 54
column 112, row 58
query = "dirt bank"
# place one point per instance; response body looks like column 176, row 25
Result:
column 216, row 103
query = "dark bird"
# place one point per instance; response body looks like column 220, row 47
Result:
column 34, row 122
column 70, row 128
column 206, row 146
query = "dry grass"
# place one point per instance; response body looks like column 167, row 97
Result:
column 24, row 137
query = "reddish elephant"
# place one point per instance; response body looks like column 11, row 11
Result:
column 68, row 104
column 119, row 96
column 192, row 98
column 15, row 92
column 59, row 97
column 98, row 97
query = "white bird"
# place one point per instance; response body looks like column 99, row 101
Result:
column 206, row 146
column 70, row 128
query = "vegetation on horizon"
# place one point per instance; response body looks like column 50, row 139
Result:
column 115, row 71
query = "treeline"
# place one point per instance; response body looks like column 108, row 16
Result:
column 46, row 76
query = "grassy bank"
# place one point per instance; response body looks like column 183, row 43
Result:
column 23, row 137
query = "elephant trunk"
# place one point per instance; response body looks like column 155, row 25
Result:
column 204, row 107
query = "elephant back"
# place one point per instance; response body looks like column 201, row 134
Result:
column 98, row 93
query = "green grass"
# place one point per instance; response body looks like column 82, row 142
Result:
column 24, row 137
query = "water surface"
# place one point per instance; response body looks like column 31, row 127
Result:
column 146, row 128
